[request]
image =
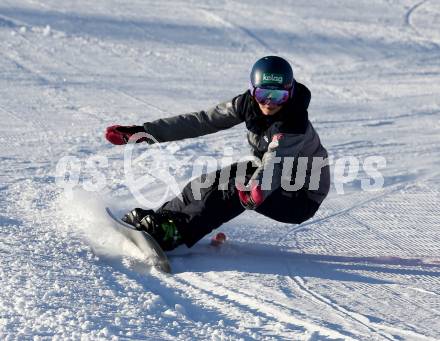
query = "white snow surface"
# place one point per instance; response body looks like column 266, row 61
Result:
column 366, row 267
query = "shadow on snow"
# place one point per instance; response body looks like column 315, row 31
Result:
column 264, row 259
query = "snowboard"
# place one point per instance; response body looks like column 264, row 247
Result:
column 144, row 242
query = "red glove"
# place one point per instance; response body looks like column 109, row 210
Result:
column 251, row 196
column 121, row 134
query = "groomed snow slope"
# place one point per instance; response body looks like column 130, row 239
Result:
column 366, row 267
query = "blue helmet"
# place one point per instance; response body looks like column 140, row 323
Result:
column 272, row 72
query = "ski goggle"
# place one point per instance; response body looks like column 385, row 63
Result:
column 274, row 96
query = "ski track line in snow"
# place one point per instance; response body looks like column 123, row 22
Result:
column 229, row 24
column 412, row 303
column 126, row 94
column 377, row 232
column 208, row 303
column 409, row 22
column 205, row 296
column 375, row 328
column 269, row 309
column 409, row 14
column 19, row 65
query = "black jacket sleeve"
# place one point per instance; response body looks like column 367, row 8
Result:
column 223, row 116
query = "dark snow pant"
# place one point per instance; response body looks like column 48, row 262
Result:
column 204, row 208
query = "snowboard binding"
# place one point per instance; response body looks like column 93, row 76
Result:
column 160, row 226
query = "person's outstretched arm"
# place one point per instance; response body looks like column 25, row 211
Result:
column 223, row 116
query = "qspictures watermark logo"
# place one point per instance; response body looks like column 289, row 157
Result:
column 142, row 170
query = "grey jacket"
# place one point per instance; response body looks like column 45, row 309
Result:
column 283, row 143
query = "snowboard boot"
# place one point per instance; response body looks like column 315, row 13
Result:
column 160, row 226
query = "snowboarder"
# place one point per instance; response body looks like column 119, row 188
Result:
column 274, row 110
